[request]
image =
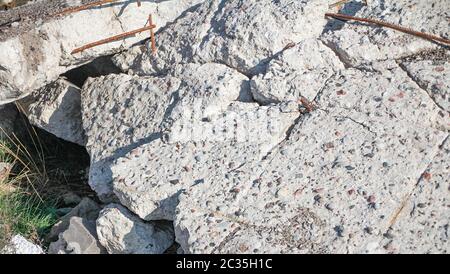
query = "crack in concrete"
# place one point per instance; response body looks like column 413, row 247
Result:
column 366, row 127
column 420, row 85
column 298, row 121
column 229, row 237
column 338, row 54
column 117, row 18
column 286, row 135
column 407, row 197
column 321, row 90
column 285, row 233
column 249, row 76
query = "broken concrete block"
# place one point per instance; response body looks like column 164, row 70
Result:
column 80, row 237
column 301, row 71
column 203, row 129
column 242, row 35
column 39, row 50
column 121, row 112
column 87, row 209
column 357, row 44
column 149, row 179
column 120, row 232
column 20, row 245
column 333, row 185
column 56, row 108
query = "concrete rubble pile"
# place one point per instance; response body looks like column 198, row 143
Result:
column 209, row 143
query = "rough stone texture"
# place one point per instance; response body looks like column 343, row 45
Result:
column 299, row 71
column 56, row 108
column 334, row 185
column 422, row 225
column 433, row 77
column 332, row 180
column 87, row 209
column 121, row 112
column 34, row 57
column 242, row 34
column 218, row 140
column 203, row 128
column 356, row 43
column 149, row 179
column 79, row 238
column 120, row 232
column 20, row 245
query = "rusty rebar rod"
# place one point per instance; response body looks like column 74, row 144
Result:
column 113, row 38
column 90, row 5
column 309, row 106
column 423, row 35
column 84, row 7
column 152, row 35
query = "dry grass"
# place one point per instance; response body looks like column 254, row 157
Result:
column 23, row 210
column 43, row 169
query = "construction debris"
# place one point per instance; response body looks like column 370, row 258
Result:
column 112, row 39
column 85, row 7
column 152, row 35
column 423, row 35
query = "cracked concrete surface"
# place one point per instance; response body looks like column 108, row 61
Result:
column 358, row 43
column 245, row 35
column 351, row 177
column 212, row 135
column 422, row 226
column 431, row 76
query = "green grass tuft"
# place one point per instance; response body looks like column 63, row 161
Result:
column 44, row 168
column 22, row 210
column 24, row 214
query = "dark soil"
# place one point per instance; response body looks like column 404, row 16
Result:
column 66, row 164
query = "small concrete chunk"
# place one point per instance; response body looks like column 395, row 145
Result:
column 120, row 232
column 20, row 245
column 79, row 238
column 56, row 108
column 87, row 209
column 299, row 71
column 5, row 170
